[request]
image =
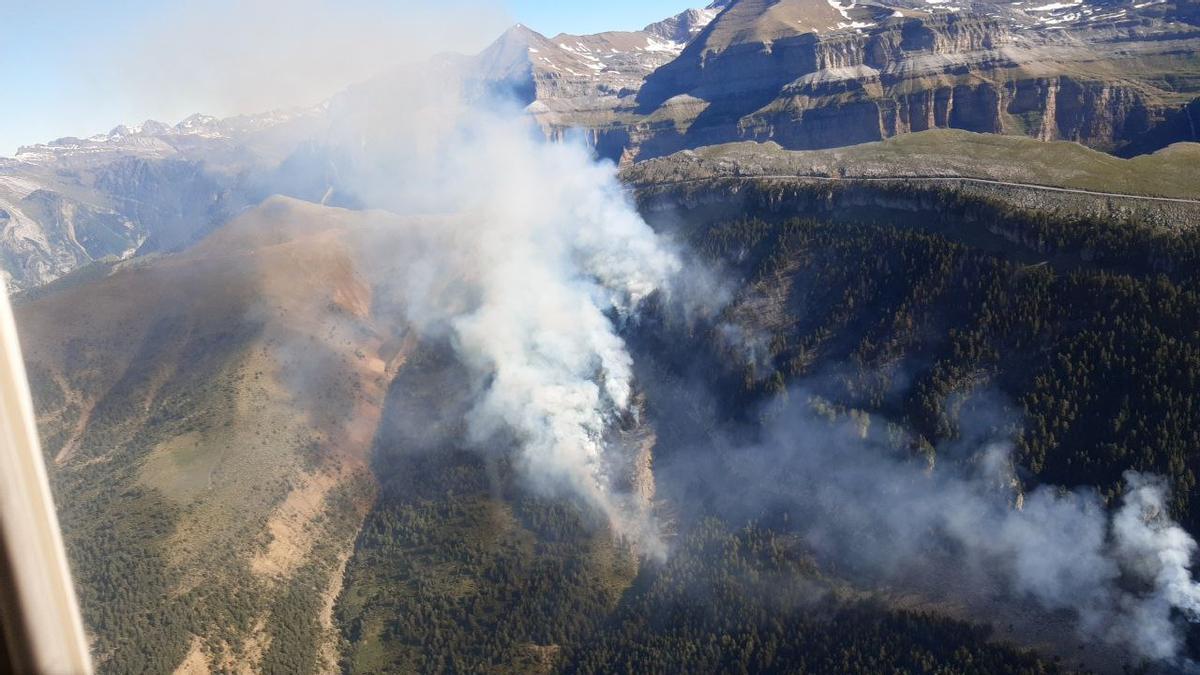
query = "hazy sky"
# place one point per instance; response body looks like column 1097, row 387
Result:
column 77, row 67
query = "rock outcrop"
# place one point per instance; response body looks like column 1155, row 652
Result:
column 151, row 187
column 815, row 74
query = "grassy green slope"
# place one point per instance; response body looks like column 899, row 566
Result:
column 1171, row 172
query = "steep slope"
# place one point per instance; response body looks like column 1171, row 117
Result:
column 930, row 325
column 608, row 65
column 208, row 418
column 795, row 73
column 765, row 21
column 684, row 26
column 579, row 82
column 457, row 532
column 460, row 567
column 150, row 187
column 816, row 74
column 209, row 414
column 55, row 219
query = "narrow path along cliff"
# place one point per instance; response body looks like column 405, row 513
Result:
column 944, row 179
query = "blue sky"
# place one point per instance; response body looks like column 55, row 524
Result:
column 574, row 16
column 76, row 68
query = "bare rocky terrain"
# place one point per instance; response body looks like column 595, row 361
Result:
column 811, row 74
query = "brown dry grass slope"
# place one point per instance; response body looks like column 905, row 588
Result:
column 233, row 392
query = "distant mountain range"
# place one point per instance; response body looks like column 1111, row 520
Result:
column 148, row 187
column 1119, row 76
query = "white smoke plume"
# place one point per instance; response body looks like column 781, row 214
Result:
column 553, row 252
column 525, row 255
column 1158, row 552
column 965, row 529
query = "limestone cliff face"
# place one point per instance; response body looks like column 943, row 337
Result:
column 787, row 64
column 1102, row 84
column 857, row 110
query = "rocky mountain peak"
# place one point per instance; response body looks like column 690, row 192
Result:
column 608, row 65
column 518, row 36
column 763, row 21
column 682, row 27
column 509, row 56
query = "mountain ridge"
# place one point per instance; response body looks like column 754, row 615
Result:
column 805, row 74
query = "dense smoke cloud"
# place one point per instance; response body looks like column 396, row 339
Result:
column 547, row 250
column 963, row 528
column 524, row 255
